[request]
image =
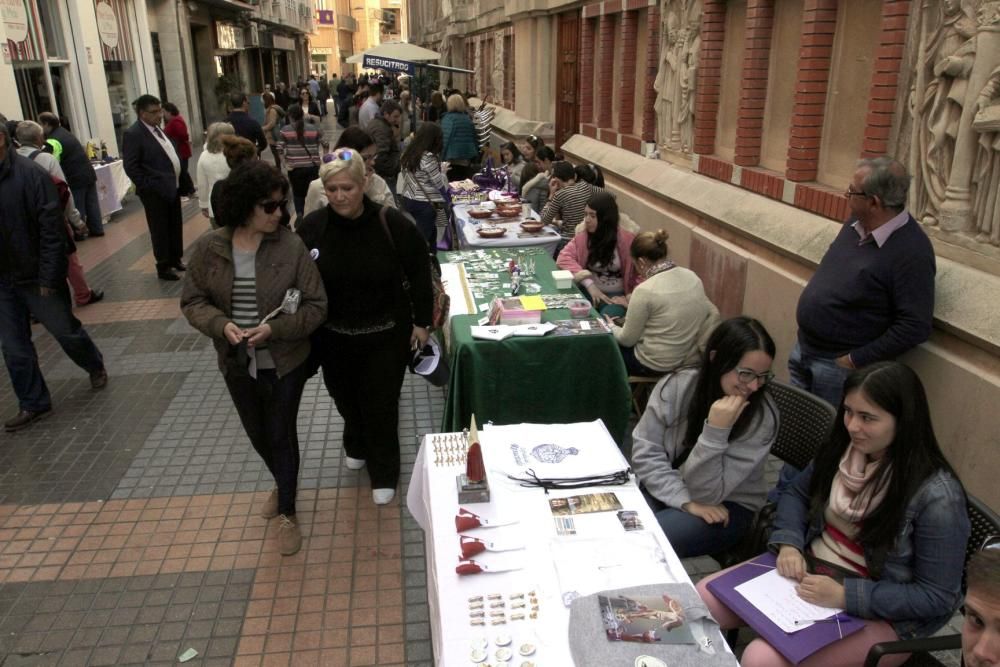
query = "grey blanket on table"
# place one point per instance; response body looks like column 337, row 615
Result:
column 590, row 647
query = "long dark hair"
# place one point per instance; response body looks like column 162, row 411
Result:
column 912, row 457
column 515, row 153
column 590, row 173
column 725, row 348
column 602, row 243
column 354, row 137
column 297, row 115
column 428, row 139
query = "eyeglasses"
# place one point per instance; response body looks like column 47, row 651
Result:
column 270, row 206
column 747, row 375
column 854, row 193
column 342, row 154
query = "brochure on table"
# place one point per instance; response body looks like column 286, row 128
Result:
column 550, row 564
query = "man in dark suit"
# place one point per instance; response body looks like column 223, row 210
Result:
column 244, row 124
column 152, row 163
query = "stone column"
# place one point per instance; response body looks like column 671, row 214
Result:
column 819, row 19
column 706, row 111
column 956, row 212
column 628, row 74
column 607, row 68
column 753, row 89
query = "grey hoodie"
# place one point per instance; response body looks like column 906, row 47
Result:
column 717, row 469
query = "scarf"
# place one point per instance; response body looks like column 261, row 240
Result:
column 659, row 267
column 852, row 487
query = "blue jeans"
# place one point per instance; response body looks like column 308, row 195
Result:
column 425, row 215
column 268, row 408
column 56, row 315
column 87, row 203
column 690, row 536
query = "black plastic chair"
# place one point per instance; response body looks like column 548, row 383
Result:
column 985, row 523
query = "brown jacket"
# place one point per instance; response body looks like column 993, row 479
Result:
column 282, row 262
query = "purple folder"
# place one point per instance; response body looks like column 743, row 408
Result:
column 796, row 646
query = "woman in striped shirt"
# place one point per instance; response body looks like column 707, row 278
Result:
column 568, row 197
column 236, row 275
column 424, row 180
column 303, row 147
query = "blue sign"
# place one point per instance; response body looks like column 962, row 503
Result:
column 399, row 66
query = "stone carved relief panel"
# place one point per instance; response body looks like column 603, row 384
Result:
column 680, row 42
column 954, row 119
column 497, row 75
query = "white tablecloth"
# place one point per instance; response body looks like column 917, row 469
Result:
column 112, row 186
column 433, row 501
column 468, row 238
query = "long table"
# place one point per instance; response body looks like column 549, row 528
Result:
column 515, row 237
column 601, row 555
column 547, row 379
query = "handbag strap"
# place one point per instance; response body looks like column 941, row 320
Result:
column 404, row 281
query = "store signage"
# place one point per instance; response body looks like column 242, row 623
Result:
column 107, row 24
column 377, row 62
column 284, row 43
column 15, row 19
column 322, row 51
column 230, row 37
column 324, row 16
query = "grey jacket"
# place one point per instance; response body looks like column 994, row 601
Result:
column 282, row 262
column 717, row 469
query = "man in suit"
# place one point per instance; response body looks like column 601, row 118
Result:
column 152, row 163
column 243, row 122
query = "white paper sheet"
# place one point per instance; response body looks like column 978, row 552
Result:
column 775, row 597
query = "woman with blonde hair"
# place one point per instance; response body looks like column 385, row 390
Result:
column 365, row 254
column 668, row 312
column 460, row 146
column 212, row 167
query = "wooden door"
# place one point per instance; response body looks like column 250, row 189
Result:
column 568, row 77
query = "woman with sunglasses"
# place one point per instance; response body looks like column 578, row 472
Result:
column 374, row 265
column 309, row 106
column 377, row 189
column 882, row 511
column 236, row 276
column 701, row 446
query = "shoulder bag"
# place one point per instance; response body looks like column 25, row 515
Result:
column 442, row 302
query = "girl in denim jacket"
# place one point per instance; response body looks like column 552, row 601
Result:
column 881, row 504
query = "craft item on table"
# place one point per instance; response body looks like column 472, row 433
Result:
column 795, row 646
column 473, row 487
column 468, row 567
column 533, row 302
column 512, row 311
column 589, row 565
column 491, row 231
column 587, row 503
column 473, row 545
column 532, row 226
column 644, row 619
column 579, row 309
column 582, row 327
column 562, row 278
column 466, row 520
column 515, row 282
column 496, row 332
column 533, row 330
column 479, row 213
column 449, row 448
column 630, row 520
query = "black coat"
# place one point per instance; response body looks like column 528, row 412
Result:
column 32, row 227
column 248, row 128
column 74, row 161
column 147, row 164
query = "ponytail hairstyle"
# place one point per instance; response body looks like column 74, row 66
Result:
column 912, row 457
column 650, row 246
column 297, row 115
column 602, row 242
column 726, row 346
column 590, row 173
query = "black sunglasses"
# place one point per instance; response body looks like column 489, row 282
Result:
column 270, row 206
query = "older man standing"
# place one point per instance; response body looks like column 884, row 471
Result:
column 872, row 297
column 151, row 161
column 33, row 282
column 981, row 631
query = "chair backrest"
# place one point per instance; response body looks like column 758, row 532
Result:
column 805, row 422
column 985, row 523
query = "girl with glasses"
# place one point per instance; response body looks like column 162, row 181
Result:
column 882, row 511
column 701, row 446
column 236, row 276
column 366, row 253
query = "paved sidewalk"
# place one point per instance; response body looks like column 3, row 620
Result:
column 129, row 530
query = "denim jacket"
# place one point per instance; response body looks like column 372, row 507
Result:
column 917, row 583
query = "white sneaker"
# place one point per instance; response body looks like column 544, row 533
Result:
column 383, row 496
column 354, row 464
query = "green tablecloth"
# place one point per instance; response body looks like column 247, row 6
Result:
column 542, row 380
